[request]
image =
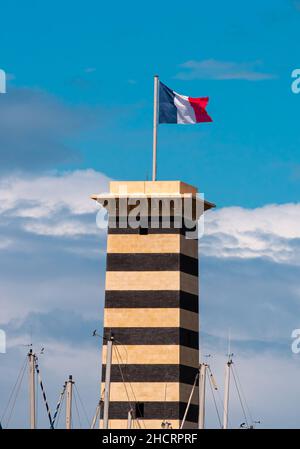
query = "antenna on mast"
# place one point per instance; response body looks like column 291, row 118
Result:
column 229, row 353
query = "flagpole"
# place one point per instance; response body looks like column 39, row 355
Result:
column 155, row 123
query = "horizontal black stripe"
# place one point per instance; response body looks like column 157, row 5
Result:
column 155, row 410
column 157, row 225
column 152, row 373
column 152, row 262
column 151, row 299
column 149, row 231
column 166, row 221
column 153, row 336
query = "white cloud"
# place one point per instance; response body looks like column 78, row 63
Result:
column 56, row 205
column 42, row 201
column 222, row 70
column 270, row 231
column 51, row 192
column 65, row 228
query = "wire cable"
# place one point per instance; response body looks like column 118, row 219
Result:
column 37, row 401
column 133, row 393
column 240, row 399
column 123, row 379
column 60, row 408
column 82, row 405
column 16, row 396
column 189, row 401
column 243, row 395
column 76, row 407
column 39, row 379
column 214, row 399
column 61, row 396
column 23, row 367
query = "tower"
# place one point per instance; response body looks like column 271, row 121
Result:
column 151, row 302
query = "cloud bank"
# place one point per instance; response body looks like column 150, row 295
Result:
column 270, row 232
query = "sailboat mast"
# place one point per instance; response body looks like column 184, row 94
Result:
column 202, row 387
column 129, row 419
column 107, row 382
column 226, row 392
column 31, row 358
column 97, row 414
column 69, row 397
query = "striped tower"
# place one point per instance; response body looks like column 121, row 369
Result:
column 151, row 310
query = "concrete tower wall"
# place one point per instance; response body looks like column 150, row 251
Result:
column 151, row 309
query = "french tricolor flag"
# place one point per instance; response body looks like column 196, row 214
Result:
column 176, row 108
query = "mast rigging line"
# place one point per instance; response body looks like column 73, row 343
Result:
column 240, row 398
column 20, row 375
column 76, row 407
column 61, row 397
column 165, row 400
column 123, row 380
column 58, row 416
column 124, row 383
column 212, row 388
column 15, row 392
column 43, row 391
column 82, row 404
column 122, row 375
column 222, row 406
column 243, row 394
column 189, row 401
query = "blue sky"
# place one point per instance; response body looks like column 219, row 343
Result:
column 78, row 112
column 105, row 56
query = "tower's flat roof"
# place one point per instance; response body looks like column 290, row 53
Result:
column 119, row 189
column 151, row 187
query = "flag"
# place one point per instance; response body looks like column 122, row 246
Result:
column 176, row 108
